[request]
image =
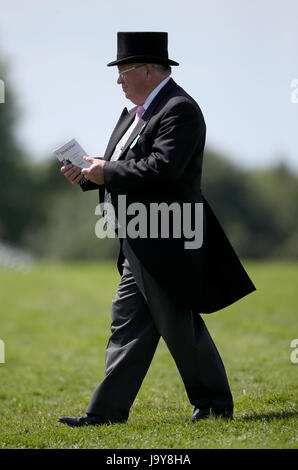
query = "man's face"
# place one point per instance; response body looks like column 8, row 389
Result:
column 134, row 83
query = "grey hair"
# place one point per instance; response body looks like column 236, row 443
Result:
column 162, row 69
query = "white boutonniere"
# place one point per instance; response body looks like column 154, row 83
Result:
column 134, row 141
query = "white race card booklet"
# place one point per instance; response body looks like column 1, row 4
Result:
column 73, row 153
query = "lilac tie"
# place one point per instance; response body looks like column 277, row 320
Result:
column 139, row 113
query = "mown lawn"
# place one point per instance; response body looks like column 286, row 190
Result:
column 55, row 324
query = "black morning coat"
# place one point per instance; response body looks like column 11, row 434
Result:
column 162, row 162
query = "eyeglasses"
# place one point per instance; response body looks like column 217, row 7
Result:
column 123, row 72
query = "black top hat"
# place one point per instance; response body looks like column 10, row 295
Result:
column 147, row 47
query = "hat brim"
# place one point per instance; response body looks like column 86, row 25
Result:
column 142, row 59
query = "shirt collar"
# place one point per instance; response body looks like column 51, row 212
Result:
column 153, row 93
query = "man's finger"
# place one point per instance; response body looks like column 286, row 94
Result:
column 72, row 173
column 77, row 179
column 65, row 168
column 90, row 159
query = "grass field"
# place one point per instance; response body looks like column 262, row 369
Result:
column 55, row 325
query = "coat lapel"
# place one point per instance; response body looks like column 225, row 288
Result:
column 137, row 131
column 146, row 116
column 127, row 118
column 122, row 125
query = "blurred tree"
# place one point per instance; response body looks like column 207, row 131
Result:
column 68, row 231
column 279, row 187
column 18, row 205
column 258, row 208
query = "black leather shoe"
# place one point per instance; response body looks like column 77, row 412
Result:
column 202, row 413
column 226, row 413
column 84, row 420
column 205, row 413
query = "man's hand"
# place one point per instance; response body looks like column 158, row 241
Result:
column 95, row 171
column 72, row 173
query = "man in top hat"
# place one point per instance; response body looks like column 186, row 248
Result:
column 155, row 156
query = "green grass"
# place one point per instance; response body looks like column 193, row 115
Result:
column 55, row 324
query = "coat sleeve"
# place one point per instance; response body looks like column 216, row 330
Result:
column 181, row 130
column 88, row 186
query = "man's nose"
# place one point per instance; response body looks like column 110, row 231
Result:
column 119, row 80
